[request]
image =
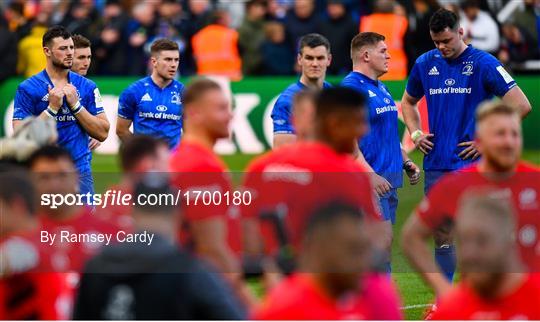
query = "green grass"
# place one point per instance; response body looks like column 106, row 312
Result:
column 412, row 289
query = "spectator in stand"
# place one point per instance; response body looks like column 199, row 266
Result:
column 30, row 58
column 483, row 32
column 339, row 28
column 392, row 26
column 518, row 45
column 17, row 21
column 140, row 31
column 200, row 16
column 417, row 38
column 300, row 20
column 527, row 18
column 278, row 57
column 215, row 48
column 277, row 10
column 251, row 36
column 109, row 50
column 80, row 17
column 171, row 23
column 8, row 50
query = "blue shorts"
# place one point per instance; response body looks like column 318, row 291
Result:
column 431, row 178
column 86, row 183
column 389, row 203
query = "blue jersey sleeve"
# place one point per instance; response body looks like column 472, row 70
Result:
column 23, row 106
column 414, row 84
column 94, row 102
column 281, row 116
column 126, row 105
column 496, row 79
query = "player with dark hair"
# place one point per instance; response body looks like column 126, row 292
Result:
column 498, row 137
column 135, row 281
column 380, row 151
column 494, row 284
column 55, row 175
column 314, row 57
column 72, row 100
column 29, row 286
column 154, row 103
column 139, row 154
column 82, row 56
column 290, row 182
column 455, row 79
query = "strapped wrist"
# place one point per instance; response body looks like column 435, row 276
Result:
column 416, row 134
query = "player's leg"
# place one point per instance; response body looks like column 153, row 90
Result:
column 388, row 204
column 445, row 254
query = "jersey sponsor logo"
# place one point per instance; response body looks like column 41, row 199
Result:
column 287, row 173
column 146, row 98
column 176, row 98
column 161, row 108
column 371, row 94
column 450, row 90
column 388, row 108
column 433, row 71
column 467, row 70
column 507, row 78
column 450, row 82
column 160, row 116
column 97, row 98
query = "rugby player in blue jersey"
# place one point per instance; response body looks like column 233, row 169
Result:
column 72, row 100
column 454, row 78
column 154, row 103
column 380, row 150
column 314, row 57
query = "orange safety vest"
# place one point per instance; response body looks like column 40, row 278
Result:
column 215, row 49
column 393, row 28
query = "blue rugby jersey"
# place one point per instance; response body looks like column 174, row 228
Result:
column 154, row 111
column 381, row 146
column 453, row 90
column 282, row 110
column 32, row 98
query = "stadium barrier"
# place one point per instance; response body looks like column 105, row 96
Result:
column 253, row 101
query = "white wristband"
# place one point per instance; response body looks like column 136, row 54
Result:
column 416, row 134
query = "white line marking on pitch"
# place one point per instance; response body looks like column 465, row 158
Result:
column 416, row 306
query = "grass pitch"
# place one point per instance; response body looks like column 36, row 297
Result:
column 415, row 295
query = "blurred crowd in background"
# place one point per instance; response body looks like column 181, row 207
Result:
column 255, row 37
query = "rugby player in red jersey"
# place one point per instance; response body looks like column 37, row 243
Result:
column 330, row 275
column 54, row 172
column 30, row 288
column 494, row 285
column 139, row 154
column 499, row 140
column 294, row 180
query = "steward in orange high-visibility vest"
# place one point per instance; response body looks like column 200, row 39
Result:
column 215, row 49
column 393, row 27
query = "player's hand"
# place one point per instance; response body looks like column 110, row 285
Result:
column 56, row 95
column 412, row 171
column 93, row 144
column 380, row 184
column 71, row 94
column 470, row 152
column 423, row 143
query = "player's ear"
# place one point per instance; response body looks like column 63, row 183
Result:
column 329, row 59
column 47, row 51
column 299, row 57
column 461, row 32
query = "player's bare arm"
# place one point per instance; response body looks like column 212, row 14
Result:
column 122, row 128
column 414, row 240
column 252, row 244
column 411, row 116
column 281, row 139
column 97, row 126
column 517, row 98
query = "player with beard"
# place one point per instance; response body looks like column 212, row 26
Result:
column 499, row 139
column 72, row 100
column 314, row 57
column 154, row 103
column 494, row 285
